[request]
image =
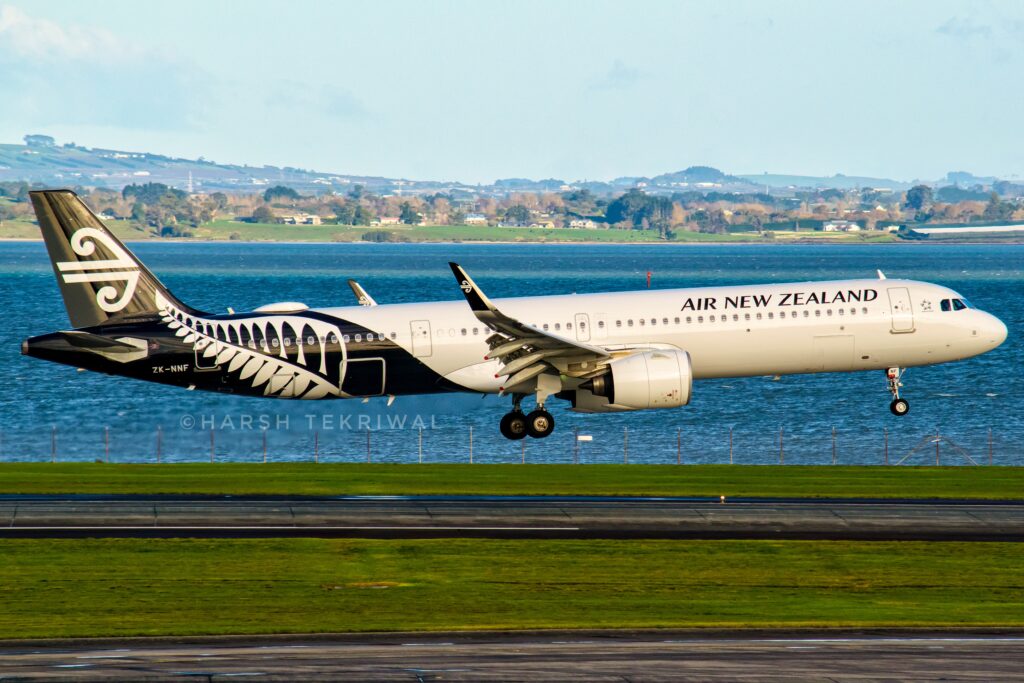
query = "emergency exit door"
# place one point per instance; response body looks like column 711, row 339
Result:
column 582, row 327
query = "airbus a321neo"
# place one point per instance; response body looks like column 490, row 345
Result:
column 600, row 352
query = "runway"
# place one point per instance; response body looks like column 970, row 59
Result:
column 564, row 656
column 508, row 517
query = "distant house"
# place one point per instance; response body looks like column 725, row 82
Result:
column 299, row 219
column 582, row 223
column 390, row 220
column 841, row 226
column 39, row 141
column 476, row 219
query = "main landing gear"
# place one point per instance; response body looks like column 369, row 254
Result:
column 899, row 406
column 515, row 425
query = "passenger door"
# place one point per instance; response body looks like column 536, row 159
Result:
column 902, row 311
column 422, row 346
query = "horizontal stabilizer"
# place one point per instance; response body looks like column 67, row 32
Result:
column 97, row 342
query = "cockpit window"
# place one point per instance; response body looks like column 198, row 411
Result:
column 953, row 305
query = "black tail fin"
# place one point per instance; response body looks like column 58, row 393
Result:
column 99, row 278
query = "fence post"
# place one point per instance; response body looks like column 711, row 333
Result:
column 316, row 447
column 782, row 447
column 106, row 444
column 625, row 445
column 833, row 445
column 159, row 439
column 522, row 450
column 576, row 445
column 990, row 446
column 368, row 459
column 885, row 432
column 420, row 446
column 53, row 443
column 679, row 446
column 937, row 437
column 470, row 444
column 212, row 446
column 264, row 446
column 730, row 445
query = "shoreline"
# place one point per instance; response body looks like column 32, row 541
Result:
column 779, row 243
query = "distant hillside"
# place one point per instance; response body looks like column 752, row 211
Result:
column 838, row 181
column 43, row 161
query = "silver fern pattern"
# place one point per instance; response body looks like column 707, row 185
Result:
column 285, row 355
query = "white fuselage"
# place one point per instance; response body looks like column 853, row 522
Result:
column 836, row 326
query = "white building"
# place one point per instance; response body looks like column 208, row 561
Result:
column 841, row 226
column 299, row 219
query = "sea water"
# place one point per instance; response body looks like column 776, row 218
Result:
column 49, row 410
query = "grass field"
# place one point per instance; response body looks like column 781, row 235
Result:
column 28, row 230
column 161, row 587
column 223, row 229
column 622, row 480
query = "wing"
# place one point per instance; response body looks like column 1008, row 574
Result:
column 362, row 297
column 523, row 350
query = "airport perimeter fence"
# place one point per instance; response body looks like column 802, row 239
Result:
column 474, row 445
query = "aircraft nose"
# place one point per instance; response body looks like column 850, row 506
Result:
column 993, row 330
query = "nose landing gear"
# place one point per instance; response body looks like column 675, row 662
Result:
column 899, row 406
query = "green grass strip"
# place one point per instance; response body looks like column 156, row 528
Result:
column 77, row 588
column 612, row 480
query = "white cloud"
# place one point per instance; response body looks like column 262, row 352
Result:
column 54, row 75
column 964, row 27
column 618, row 77
column 329, row 100
column 27, row 37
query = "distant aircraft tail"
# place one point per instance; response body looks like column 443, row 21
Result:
column 99, row 278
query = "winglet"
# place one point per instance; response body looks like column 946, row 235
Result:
column 881, row 275
column 362, row 296
column 477, row 300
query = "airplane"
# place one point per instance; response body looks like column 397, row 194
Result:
column 602, row 353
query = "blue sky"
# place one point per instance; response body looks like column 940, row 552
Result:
column 475, row 91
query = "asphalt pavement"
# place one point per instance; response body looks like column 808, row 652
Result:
column 508, row 517
column 558, row 656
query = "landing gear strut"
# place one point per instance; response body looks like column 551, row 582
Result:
column 538, row 424
column 899, row 406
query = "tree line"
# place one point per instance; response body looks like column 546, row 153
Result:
column 167, row 211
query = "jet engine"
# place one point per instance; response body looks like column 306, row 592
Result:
column 646, row 379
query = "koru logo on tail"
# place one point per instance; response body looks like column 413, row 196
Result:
column 466, row 287
column 121, row 268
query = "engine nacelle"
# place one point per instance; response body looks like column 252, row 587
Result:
column 645, row 379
